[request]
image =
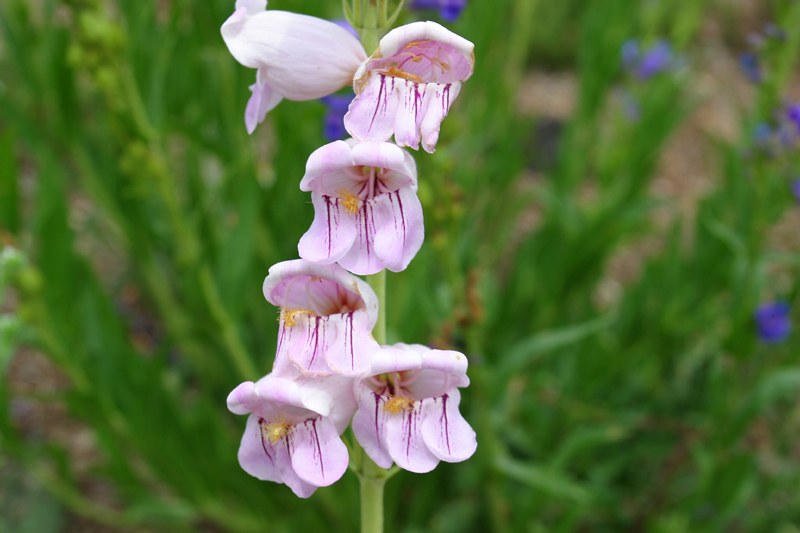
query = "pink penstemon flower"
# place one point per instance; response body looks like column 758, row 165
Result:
column 326, row 319
column 293, row 432
column 297, row 56
column 367, row 214
column 408, row 408
column 407, row 86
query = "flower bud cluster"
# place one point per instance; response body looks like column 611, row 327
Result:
column 329, row 371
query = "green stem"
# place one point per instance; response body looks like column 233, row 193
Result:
column 378, row 284
column 372, row 478
column 369, row 30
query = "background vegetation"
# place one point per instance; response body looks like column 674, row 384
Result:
column 146, row 219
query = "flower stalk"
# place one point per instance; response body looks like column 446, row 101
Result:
column 372, row 478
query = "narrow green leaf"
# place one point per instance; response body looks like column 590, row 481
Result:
column 551, row 482
column 9, row 185
column 538, row 344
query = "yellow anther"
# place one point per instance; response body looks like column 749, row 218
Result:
column 350, row 201
column 397, row 404
column 275, row 431
column 289, row 316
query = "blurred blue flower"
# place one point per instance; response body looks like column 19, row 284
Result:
column 748, row 61
column 630, row 53
column 337, row 105
column 796, row 189
column 630, row 103
column 773, row 31
column 772, row 321
column 762, row 134
column 449, row 10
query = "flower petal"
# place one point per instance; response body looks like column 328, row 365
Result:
column 306, row 342
column 256, row 455
column 414, row 100
column 300, row 284
column 319, row 457
column 399, row 166
column 333, row 397
column 325, row 160
column 448, row 436
column 243, row 399
column 351, row 355
column 283, row 460
column 361, row 258
column 437, row 109
column 372, row 113
column 331, row 234
column 263, row 100
column 399, row 230
column 405, row 440
column 369, row 426
column 400, row 38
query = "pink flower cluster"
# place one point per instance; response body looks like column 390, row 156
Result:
column 329, row 370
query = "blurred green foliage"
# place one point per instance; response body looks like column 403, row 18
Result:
column 125, row 168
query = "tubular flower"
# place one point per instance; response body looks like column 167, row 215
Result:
column 298, row 57
column 407, row 86
column 367, row 214
column 408, row 408
column 293, row 432
column 326, row 319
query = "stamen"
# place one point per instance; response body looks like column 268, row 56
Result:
column 412, row 44
column 397, row 404
column 397, row 73
column 350, row 201
column 275, row 431
column 371, row 183
column 289, row 315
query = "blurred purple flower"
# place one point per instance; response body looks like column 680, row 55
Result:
column 449, row 10
column 749, row 64
column 644, row 65
column 772, row 321
column 656, row 60
column 793, row 114
column 796, row 189
column 337, row 104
